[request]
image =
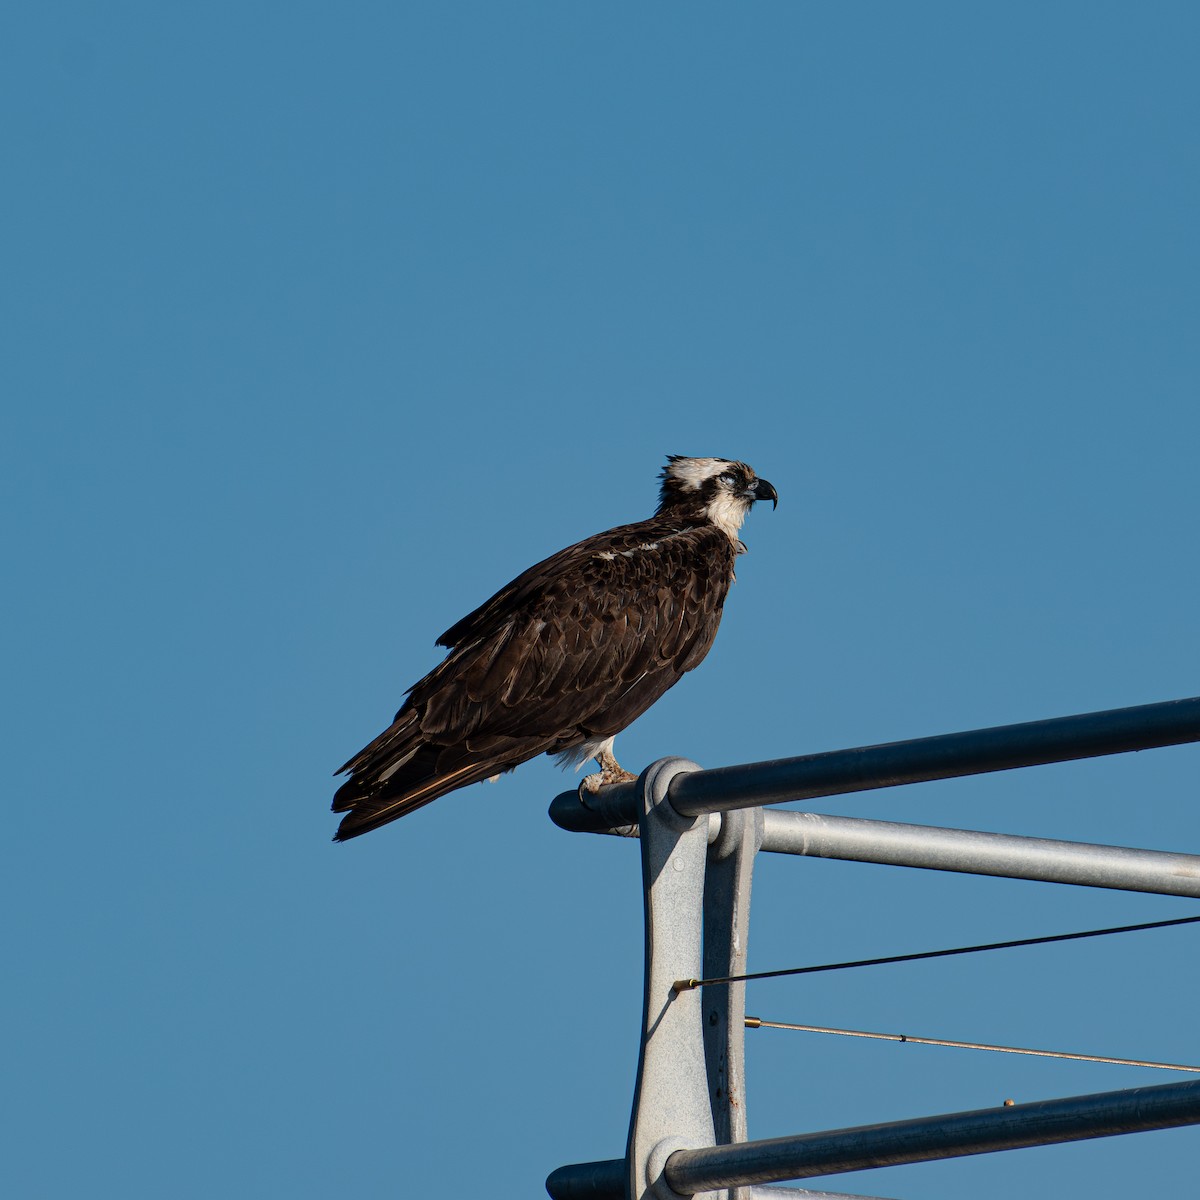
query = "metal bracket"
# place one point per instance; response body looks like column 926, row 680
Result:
column 688, row 1127
column 671, row 1104
column 691, row 1082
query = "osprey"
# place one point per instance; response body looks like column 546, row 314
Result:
column 568, row 654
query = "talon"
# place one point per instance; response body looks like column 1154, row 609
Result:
column 590, row 784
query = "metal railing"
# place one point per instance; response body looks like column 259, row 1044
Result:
column 700, row 832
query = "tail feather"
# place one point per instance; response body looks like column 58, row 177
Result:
column 405, row 773
column 396, row 741
column 370, row 805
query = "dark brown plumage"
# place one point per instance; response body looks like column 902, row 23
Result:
column 566, row 655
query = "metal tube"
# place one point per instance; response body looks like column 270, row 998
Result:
column 979, row 751
column 606, row 1181
column 952, row 1135
column 969, row 851
column 670, row 1092
column 787, row 1193
column 836, row 772
column 975, row 853
column 588, row 1181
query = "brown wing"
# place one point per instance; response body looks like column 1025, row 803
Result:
column 575, row 648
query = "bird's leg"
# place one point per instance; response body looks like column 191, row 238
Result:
column 611, row 771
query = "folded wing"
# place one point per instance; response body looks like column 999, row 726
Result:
column 571, row 651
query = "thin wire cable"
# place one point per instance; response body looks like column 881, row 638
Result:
column 758, row 1023
column 683, row 985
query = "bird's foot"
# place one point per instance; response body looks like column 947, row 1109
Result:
column 610, row 771
column 593, row 783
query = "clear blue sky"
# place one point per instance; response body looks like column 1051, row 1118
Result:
column 323, row 321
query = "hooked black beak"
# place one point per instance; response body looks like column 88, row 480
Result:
column 765, row 491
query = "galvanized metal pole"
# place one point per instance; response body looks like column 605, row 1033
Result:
column 671, row 1104
column 970, row 851
column 606, row 1181
column 1074, row 1118
column 1032, row 743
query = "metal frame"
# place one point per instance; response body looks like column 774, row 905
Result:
column 688, row 1130
column 948, row 756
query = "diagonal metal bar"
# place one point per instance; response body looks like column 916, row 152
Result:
column 952, row 1135
column 836, row 772
column 912, row 1039
column 684, row 985
column 605, row 1180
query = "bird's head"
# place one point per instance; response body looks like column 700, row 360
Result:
column 720, row 490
